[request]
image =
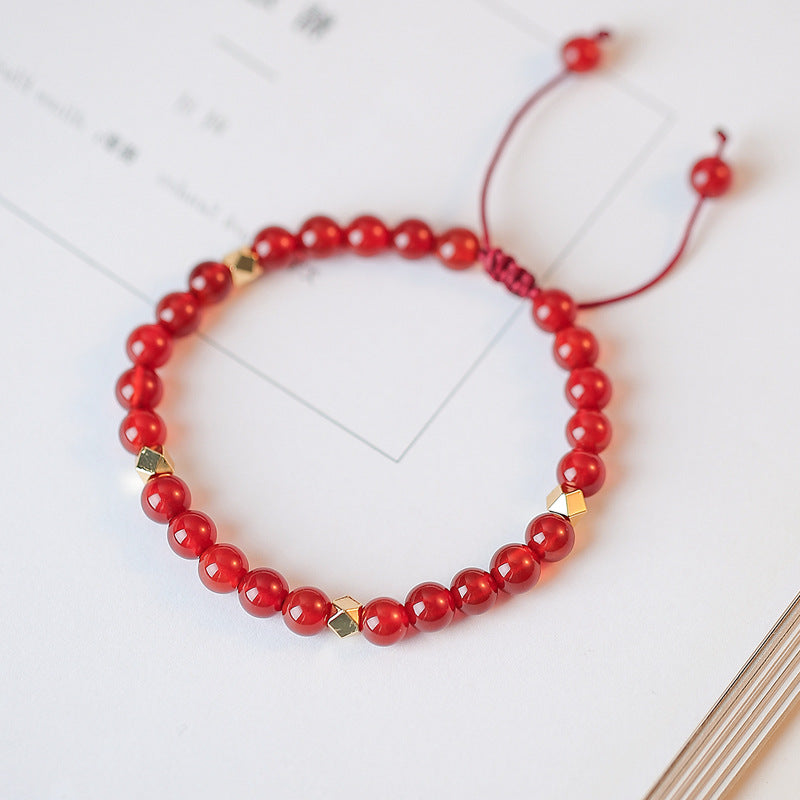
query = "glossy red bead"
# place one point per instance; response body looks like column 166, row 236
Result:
column 164, row 497
column 575, row 347
column 221, row 567
column 179, row 313
column 413, row 239
column 384, row 621
column 711, row 177
column 457, row 248
column 474, row 591
column 589, row 430
column 588, row 387
column 553, row 310
column 275, row 247
column 306, row 611
column 581, row 54
column 581, row 470
column 191, row 533
column 321, row 236
column 141, row 428
column 149, row 346
column 515, row 568
column 262, row 592
column 551, row 537
column 139, row 387
column 367, row 236
column 430, row 607
column 210, row 282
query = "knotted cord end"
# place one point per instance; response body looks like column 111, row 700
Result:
column 504, row 269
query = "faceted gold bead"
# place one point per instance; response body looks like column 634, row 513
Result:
column 344, row 621
column 153, row 461
column 243, row 265
column 569, row 504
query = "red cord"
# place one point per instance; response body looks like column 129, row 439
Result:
column 502, row 267
column 607, row 301
column 676, row 256
column 501, row 146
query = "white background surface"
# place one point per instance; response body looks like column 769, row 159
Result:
column 363, row 426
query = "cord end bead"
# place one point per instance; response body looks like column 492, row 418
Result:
column 153, row 461
column 244, row 266
column 583, row 53
column 569, row 503
column 344, row 621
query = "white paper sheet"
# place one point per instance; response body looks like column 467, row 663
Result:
column 363, row 425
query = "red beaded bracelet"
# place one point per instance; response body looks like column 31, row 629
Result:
column 515, row 567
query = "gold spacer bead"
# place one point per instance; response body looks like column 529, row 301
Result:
column 344, row 621
column 569, row 504
column 153, row 461
column 244, row 266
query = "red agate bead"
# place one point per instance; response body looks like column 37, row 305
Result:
column 164, row 497
column 320, row 236
column 149, row 346
column 275, row 247
column 575, row 347
column 384, row 621
column 306, row 611
column 139, row 387
column 179, row 313
column 589, row 430
column 142, row 428
column 191, row 533
column 458, row 248
column 210, row 282
column 711, row 177
column 551, row 537
column 588, row 387
column 515, row 568
column 262, row 592
column 474, row 591
column 553, row 310
column 581, row 54
column 367, row 236
column 413, row 239
column 430, row 607
column 581, row 470
column 221, row 568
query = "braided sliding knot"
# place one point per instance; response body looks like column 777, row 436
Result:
column 503, row 268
